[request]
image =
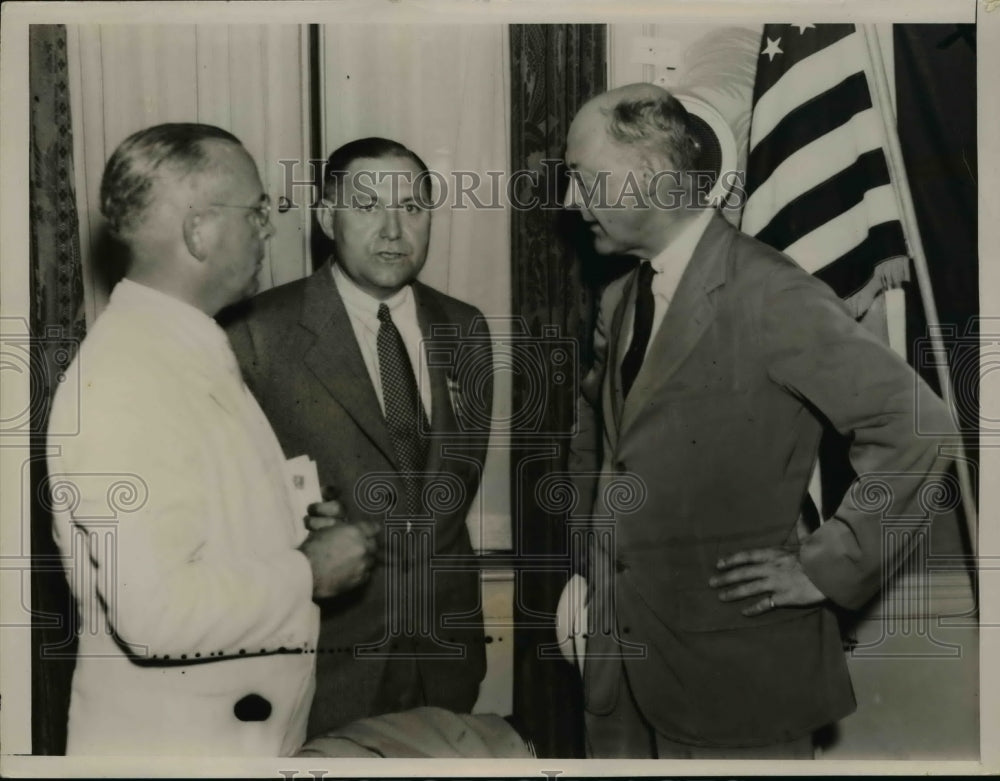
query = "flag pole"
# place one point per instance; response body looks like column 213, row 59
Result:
column 911, row 230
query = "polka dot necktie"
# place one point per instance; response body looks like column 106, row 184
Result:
column 404, row 414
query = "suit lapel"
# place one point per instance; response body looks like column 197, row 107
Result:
column 429, row 315
column 335, row 359
column 691, row 311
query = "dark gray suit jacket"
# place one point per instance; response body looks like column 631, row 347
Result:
column 300, row 358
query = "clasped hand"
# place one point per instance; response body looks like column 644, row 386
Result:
column 340, row 552
column 775, row 574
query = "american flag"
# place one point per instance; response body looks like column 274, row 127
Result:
column 817, row 180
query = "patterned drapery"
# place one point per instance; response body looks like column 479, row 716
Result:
column 56, row 279
column 57, row 326
column 554, row 70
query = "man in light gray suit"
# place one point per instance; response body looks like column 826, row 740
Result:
column 717, row 360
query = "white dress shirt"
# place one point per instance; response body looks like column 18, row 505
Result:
column 179, row 537
column 362, row 311
column 669, row 266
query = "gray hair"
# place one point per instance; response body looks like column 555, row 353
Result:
column 661, row 126
column 133, row 168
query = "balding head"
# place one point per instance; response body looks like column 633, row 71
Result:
column 187, row 201
column 645, row 118
column 631, row 151
column 148, row 159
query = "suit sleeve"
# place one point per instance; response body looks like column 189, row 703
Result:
column 585, row 447
column 893, row 420
column 488, row 389
column 584, row 460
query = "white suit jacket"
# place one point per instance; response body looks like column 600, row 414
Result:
column 171, row 509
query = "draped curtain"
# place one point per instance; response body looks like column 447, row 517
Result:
column 555, row 69
column 245, row 78
column 56, row 327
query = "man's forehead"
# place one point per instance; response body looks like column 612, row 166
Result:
column 229, row 167
column 587, row 137
column 383, row 173
column 228, row 156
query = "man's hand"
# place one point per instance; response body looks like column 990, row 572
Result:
column 341, row 556
column 324, row 514
column 774, row 573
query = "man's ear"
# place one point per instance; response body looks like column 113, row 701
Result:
column 664, row 183
column 195, row 234
column 325, row 218
column 652, row 168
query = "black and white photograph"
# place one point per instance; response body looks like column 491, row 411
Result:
column 498, row 388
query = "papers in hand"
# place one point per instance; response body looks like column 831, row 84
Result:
column 303, row 482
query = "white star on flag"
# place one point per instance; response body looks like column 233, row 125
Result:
column 772, row 49
column 803, row 27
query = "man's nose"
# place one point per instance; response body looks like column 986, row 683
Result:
column 390, row 223
column 572, row 198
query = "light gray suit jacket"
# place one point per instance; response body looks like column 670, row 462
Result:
column 721, row 429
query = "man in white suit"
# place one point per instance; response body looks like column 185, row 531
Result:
column 196, row 602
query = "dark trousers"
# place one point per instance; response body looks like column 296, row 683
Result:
column 401, row 687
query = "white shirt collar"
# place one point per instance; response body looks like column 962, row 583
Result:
column 670, row 262
column 362, row 312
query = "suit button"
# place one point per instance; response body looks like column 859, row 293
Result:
column 620, row 466
column 253, row 707
column 620, row 566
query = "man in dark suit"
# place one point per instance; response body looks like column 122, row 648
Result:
column 356, row 366
column 717, row 360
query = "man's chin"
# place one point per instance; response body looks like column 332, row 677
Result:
column 396, row 279
column 604, row 245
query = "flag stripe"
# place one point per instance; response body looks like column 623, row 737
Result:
column 825, row 113
column 795, row 47
column 817, row 176
column 840, row 236
column 853, row 270
column 837, row 194
column 812, row 165
column 816, row 74
column 817, row 179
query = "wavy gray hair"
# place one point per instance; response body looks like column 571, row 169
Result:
column 133, row 168
column 659, row 126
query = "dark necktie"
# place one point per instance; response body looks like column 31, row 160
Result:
column 404, row 414
column 642, row 327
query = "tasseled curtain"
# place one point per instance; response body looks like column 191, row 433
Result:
column 57, row 326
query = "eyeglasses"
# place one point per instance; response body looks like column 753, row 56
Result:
column 261, row 211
